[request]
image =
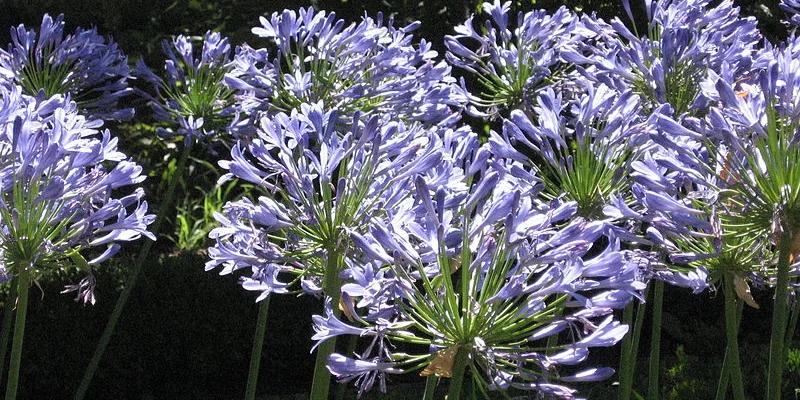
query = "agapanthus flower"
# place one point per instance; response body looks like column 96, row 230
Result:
column 364, row 372
column 485, row 279
column 579, row 148
column 60, row 187
column 191, row 97
column 512, row 60
column 91, row 69
column 686, row 40
column 322, row 182
column 732, row 162
column 369, row 67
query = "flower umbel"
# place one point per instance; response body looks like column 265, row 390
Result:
column 191, row 95
column 369, row 67
column 485, row 280
column 91, row 70
column 57, row 175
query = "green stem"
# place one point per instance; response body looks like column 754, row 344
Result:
column 19, row 333
column 655, row 342
column 459, row 368
column 552, row 340
column 352, row 342
column 626, row 390
column 332, row 286
column 130, row 282
column 625, row 361
column 6, row 333
column 732, row 370
column 258, row 345
column 724, row 378
column 779, row 320
column 430, row 387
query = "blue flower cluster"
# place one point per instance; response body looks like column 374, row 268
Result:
column 63, row 181
column 190, row 99
column 84, row 64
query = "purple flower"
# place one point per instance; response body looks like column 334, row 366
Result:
column 91, row 70
column 57, row 194
column 191, row 97
column 371, row 67
column 324, row 181
column 512, row 62
column 689, row 40
column 590, row 375
column 792, row 7
column 330, row 326
column 514, row 254
column 365, row 372
column 582, row 147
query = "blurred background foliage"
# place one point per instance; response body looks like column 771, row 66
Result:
column 186, row 333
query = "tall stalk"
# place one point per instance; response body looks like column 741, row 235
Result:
column 724, row 378
column 258, row 345
column 24, row 278
column 655, row 342
column 779, row 319
column 430, row 387
column 630, row 349
column 459, row 369
column 130, row 282
column 731, row 367
column 332, row 287
column 5, row 335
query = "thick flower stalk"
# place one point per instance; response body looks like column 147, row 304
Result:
column 370, row 67
column 60, row 181
column 484, row 281
column 190, row 97
column 91, row 69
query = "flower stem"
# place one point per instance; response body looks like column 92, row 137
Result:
column 731, row 367
column 628, row 367
column 130, row 282
column 258, row 345
column 779, row 319
column 332, row 287
column 655, row 342
column 430, row 387
column 352, row 343
column 459, row 368
column 6, row 333
column 24, row 278
column 630, row 349
column 724, row 378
